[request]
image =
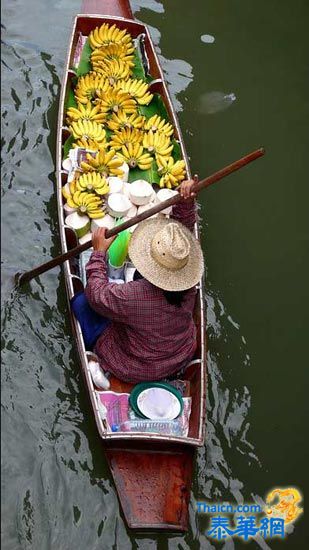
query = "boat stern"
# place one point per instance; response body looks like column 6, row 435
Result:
column 153, row 486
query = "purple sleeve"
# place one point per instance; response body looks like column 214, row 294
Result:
column 108, row 299
column 186, row 213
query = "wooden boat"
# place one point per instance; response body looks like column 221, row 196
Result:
column 152, row 472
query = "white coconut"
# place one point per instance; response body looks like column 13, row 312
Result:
column 118, row 205
column 86, row 238
column 140, row 192
column 164, row 195
column 115, row 184
column 125, row 168
column 107, row 221
column 80, row 224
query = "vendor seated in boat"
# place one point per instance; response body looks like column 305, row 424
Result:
column 151, row 333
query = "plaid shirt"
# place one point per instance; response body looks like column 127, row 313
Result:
column 148, row 339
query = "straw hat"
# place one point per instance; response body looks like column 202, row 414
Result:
column 167, row 254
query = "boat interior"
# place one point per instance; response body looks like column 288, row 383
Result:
column 194, row 377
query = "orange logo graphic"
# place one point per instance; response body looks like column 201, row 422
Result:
column 286, row 506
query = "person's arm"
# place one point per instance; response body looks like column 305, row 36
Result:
column 108, row 299
column 186, row 210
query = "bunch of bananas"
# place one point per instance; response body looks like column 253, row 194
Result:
column 111, row 52
column 87, row 203
column 172, row 173
column 105, row 163
column 85, row 112
column 134, row 155
column 113, row 71
column 92, row 182
column 157, row 144
column 158, row 124
column 88, row 86
column 87, row 129
column 137, row 89
column 110, row 98
column 126, row 136
column 105, row 35
column 115, row 101
column 120, row 121
column 90, row 144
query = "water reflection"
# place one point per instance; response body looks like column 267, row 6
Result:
column 213, row 102
column 152, row 5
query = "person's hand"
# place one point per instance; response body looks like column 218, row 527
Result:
column 99, row 241
column 185, row 188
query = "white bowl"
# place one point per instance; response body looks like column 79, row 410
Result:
column 118, row 205
column 115, row 184
column 140, row 192
column 164, row 195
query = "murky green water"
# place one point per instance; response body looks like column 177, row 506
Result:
column 56, row 489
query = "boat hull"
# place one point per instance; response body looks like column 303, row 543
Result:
column 118, row 8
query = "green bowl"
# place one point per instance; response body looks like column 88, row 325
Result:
column 147, row 385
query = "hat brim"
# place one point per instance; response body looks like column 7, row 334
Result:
column 158, row 275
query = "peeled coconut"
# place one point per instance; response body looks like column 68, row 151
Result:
column 107, row 221
column 80, row 223
column 118, row 205
column 140, row 192
column 86, row 238
column 115, row 184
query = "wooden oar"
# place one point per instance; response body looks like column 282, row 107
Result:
column 28, row 275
